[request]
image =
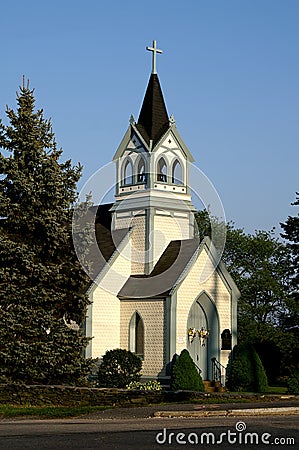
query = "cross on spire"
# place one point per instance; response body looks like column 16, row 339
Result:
column 155, row 50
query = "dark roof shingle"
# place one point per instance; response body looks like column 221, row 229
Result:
column 107, row 241
column 165, row 274
column 153, row 119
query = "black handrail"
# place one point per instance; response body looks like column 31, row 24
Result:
column 218, row 371
column 198, row 368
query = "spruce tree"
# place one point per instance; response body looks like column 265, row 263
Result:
column 42, row 286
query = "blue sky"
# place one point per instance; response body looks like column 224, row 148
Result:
column 229, row 73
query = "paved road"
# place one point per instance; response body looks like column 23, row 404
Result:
column 135, row 430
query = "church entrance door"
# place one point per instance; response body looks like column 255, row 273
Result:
column 197, row 347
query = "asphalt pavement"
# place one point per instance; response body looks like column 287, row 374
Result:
column 142, row 412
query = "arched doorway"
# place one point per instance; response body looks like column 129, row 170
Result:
column 203, row 315
column 197, row 319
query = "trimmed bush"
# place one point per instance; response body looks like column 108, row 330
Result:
column 245, row 371
column 239, row 370
column 260, row 377
column 293, row 383
column 119, row 368
column 185, row 375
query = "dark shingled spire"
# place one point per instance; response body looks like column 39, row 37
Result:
column 153, row 118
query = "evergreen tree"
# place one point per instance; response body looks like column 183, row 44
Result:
column 245, row 371
column 184, row 374
column 291, row 234
column 42, row 286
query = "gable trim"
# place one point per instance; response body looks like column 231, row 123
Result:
column 220, row 268
column 110, row 261
column 180, row 143
column 124, row 142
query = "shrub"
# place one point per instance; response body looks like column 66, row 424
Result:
column 239, row 370
column 185, row 375
column 118, row 368
column 293, row 383
column 245, row 371
column 148, row 386
column 260, row 383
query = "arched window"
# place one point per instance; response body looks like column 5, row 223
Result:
column 136, row 335
column 226, row 340
column 128, row 172
column 177, row 173
column 141, row 175
column 162, row 170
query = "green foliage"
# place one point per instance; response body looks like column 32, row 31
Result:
column 260, row 377
column 259, row 264
column 185, row 375
column 203, row 222
column 119, row 368
column 42, row 284
column 239, row 371
column 245, row 371
column 49, row 412
column 293, row 383
column 265, row 270
column 291, row 234
column 290, row 315
column 153, row 385
column 269, row 353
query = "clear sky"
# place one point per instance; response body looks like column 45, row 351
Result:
column 229, row 73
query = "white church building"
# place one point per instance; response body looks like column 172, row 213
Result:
column 148, row 295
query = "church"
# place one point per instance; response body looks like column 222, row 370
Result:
column 148, row 295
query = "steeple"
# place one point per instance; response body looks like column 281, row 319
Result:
column 153, row 119
column 153, row 196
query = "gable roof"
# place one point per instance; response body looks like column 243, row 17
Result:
column 173, row 132
column 171, row 269
column 153, row 119
column 107, row 241
column 166, row 272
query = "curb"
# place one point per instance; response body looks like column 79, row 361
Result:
column 230, row 412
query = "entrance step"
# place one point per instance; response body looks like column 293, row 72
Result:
column 209, row 386
column 213, row 386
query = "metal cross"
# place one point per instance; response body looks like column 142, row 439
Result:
column 155, row 50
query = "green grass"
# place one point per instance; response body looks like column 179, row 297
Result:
column 50, row 412
column 277, row 390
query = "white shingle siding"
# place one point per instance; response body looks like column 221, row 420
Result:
column 106, row 306
column 188, row 292
column 138, row 245
column 167, row 229
column 152, row 314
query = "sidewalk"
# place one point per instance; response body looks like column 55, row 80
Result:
column 278, row 404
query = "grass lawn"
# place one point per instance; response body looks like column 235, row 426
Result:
column 47, row 412
column 277, row 390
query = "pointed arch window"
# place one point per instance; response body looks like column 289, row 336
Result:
column 136, row 335
column 141, row 175
column 162, row 170
column 128, row 172
column 177, row 172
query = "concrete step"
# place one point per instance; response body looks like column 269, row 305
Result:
column 209, row 386
column 213, row 386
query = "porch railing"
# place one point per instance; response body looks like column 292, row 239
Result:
column 218, row 372
column 198, row 369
